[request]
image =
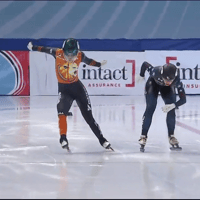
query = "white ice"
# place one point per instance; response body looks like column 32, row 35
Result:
column 33, row 164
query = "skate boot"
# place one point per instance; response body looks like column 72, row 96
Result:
column 104, row 143
column 175, row 144
column 69, row 114
column 142, row 142
column 64, row 142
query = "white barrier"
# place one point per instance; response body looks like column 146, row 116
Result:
column 117, row 77
column 43, row 79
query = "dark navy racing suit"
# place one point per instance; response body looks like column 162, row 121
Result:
column 154, row 85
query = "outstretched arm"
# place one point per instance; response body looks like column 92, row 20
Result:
column 92, row 62
column 49, row 50
column 145, row 66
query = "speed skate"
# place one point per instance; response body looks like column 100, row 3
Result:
column 107, row 145
column 142, row 149
column 66, row 147
column 174, row 144
column 110, row 148
column 175, row 148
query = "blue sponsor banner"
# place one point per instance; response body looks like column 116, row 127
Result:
column 7, row 74
column 107, row 44
column 14, row 73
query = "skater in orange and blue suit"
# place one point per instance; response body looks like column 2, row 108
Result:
column 70, row 88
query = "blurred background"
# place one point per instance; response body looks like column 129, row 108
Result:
column 125, row 33
column 100, row 19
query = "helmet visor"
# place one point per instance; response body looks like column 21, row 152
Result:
column 70, row 56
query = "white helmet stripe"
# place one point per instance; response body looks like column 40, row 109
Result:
column 162, row 70
column 176, row 72
column 78, row 45
column 63, row 44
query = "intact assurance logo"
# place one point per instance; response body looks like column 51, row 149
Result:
column 188, row 72
column 112, row 77
column 14, row 73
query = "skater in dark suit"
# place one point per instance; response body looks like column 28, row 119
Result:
column 164, row 79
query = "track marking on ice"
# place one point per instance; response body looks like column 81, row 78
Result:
column 187, row 127
column 23, row 148
column 53, row 159
column 96, row 165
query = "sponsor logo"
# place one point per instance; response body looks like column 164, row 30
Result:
column 191, row 86
column 105, row 77
column 189, row 73
column 186, row 74
column 104, row 85
column 11, row 74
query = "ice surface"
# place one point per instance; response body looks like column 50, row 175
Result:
column 33, row 164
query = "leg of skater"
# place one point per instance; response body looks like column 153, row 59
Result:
column 169, row 96
column 63, row 106
column 84, row 104
column 151, row 95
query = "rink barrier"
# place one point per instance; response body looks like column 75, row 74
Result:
column 107, row 44
column 124, row 58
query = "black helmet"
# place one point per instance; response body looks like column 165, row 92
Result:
column 70, row 47
column 169, row 73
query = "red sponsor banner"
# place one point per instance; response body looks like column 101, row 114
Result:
column 17, row 81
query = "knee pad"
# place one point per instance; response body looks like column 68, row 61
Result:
column 61, row 109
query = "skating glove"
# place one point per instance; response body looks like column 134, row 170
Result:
column 168, row 107
column 30, row 46
column 103, row 62
column 139, row 79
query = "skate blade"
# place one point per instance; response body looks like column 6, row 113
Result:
column 66, row 147
column 69, row 151
column 175, row 148
column 111, row 149
column 142, row 148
